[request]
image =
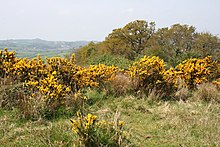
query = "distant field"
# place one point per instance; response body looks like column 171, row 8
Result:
column 32, row 47
column 31, row 53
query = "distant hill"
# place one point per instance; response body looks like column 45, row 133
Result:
column 31, row 47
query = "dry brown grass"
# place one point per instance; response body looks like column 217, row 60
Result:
column 207, row 92
column 121, row 84
column 154, row 95
column 182, row 92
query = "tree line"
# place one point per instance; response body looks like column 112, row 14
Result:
column 138, row 38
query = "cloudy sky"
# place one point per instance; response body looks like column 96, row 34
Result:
column 72, row 20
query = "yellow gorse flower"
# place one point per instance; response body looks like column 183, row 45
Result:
column 192, row 72
column 148, row 70
column 90, row 119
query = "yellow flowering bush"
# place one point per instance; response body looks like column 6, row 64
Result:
column 147, row 72
column 94, row 132
column 50, row 87
column 25, row 69
column 57, row 64
column 171, row 77
column 95, row 75
column 57, row 78
column 7, row 60
column 194, row 71
column 65, row 70
column 50, row 78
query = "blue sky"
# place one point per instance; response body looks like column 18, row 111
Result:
column 72, row 20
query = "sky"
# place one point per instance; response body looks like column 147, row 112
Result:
column 93, row 20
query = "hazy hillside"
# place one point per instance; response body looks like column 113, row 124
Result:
column 32, row 47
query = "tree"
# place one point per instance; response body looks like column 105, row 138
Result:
column 174, row 43
column 130, row 39
column 206, row 44
column 85, row 53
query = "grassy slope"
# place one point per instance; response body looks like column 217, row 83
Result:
column 148, row 124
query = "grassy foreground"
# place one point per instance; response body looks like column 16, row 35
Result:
column 148, row 123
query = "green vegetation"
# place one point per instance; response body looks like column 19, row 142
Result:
column 138, row 38
column 116, row 92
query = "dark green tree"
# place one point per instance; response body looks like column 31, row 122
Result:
column 131, row 39
column 172, row 44
column 206, row 44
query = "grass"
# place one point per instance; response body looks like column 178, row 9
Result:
column 178, row 123
column 16, row 132
column 169, row 123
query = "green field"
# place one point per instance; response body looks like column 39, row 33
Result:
column 32, row 53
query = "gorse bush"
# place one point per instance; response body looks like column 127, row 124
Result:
column 95, row 75
column 192, row 72
column 57, row 80
column 147, row 73
column 50, row 87
column 7, row 60
column 195, row 71
column 65, row 70
column 26, row 69
column 94, row 132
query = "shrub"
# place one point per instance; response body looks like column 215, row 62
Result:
column 195, row 71
column 109, row 60
column 18, row 97
column 65, row 69
column 95, row 76
column 10, row 95
column 50, row 88
column 147, row 73
column 7, row 60
column 190, row 73
column 25, row 69
column 94, row 132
